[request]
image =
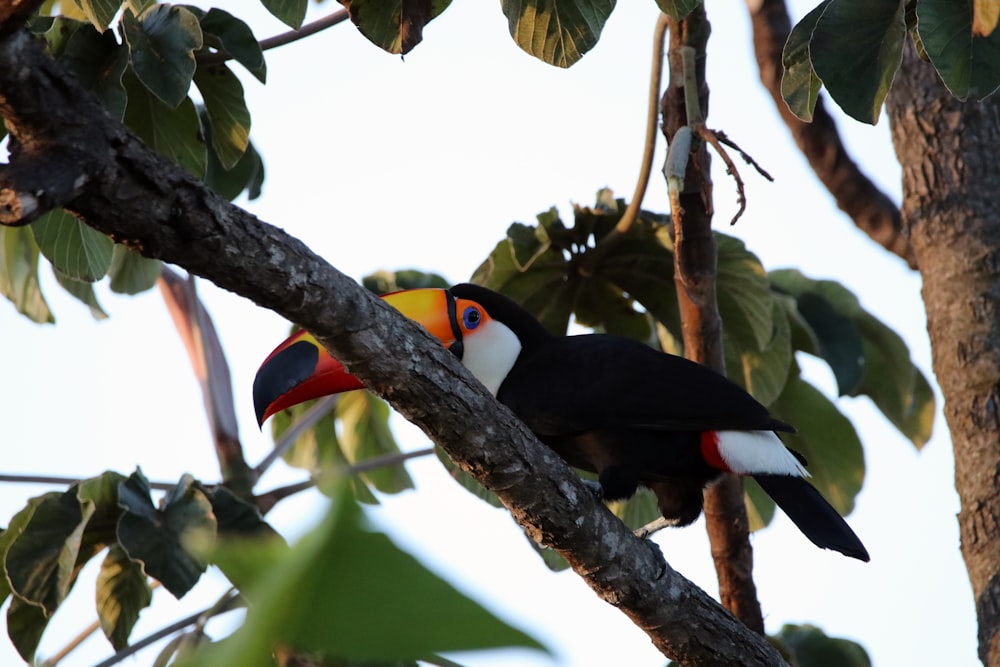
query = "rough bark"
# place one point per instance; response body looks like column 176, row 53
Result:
column 138, row 197
column 695, row 269
column 856, row 195
column 951, row 168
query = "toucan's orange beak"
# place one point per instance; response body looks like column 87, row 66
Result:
column 301, row 369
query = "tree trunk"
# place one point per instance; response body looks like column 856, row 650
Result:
column 694, row 274
column 951, row 168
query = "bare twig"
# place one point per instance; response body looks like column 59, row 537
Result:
column 225, row 604
column 281, row 39
column 317, row 411
column 69, row 481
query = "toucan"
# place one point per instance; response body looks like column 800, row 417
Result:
column 607, row 404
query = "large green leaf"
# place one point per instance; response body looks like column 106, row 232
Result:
column 41, row 561
column 99, row 12
column 247, row 174
column 800, row 85
column 13, row 531
column 349, row 592
column 161, row 42
column 811, row 647
column 132, row 273
column 893, row 383
column 74, row 248
column 969, row 63
column 174, row 132
column 166, row 541
column 558, row 32
column 227, row 112
column 83, row 291
column 830, row 312
column 383, row 282
column 19, row 274
column 98, row 61
column 289, row 12
column 394, row 25
column 756, row 336
column 122, row 592
column 25, row 624
column 856, row 48
column 365, row 434
column 228, row 34
column 678, row 9
column 828, row 441
column 866, row 356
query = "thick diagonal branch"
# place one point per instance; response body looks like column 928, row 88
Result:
column 139, row 197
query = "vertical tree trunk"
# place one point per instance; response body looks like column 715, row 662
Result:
column 695, row 269
column 951, row 170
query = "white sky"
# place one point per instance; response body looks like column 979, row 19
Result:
column 382, row 164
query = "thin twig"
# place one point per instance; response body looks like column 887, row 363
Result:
column 266, row 501
column 654, row 526
column 69, row 481
column 73, row 644
column 224, row 605
column 724, row 139
column 709, row 137
column 308, row 29
column 308, row 419
column 631, row 213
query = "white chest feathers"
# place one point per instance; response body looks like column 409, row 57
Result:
column 490, row 352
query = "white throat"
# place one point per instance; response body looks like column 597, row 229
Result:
column 490, row 352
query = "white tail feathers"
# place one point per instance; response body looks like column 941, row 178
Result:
column 756, row 452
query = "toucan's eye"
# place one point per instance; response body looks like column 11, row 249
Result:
column 471, row 318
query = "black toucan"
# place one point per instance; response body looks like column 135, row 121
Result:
column 607, row 404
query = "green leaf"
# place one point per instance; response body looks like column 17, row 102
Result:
column 365, row 434
column 83, row 291
column 57, row 33
column 25, row 625
column 395, row 26
column 756, row 335
column 162, row 41
column 74, row 248
column 289, row 12
column 602, row 306
column 800, row 85
column 678, row 9
column 558, row 32
column 247, row 174
column 235, row 516
column 228, row 34
column 132, row 273
column 893, row 383
column 173, row 132
column 829, row 311
column 98, row 61
column 969, row 63
column 349, row 592
column 227, row 112
column 760, row 507
column 19, row 274
column 168, row 542
column 811, row 647
column 41, row 562
column 100, row 12
column 856, row 48
column 14, row 530
column 383, row 282
column 122, row 592
column 828, row 441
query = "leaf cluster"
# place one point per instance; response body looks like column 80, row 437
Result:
column 47, row 544
column 958, row 38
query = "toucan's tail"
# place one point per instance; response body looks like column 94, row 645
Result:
column 815, row 517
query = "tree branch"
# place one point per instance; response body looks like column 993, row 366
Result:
column 288, row 37
column 870, row 208
column 139, row 197
column 701, row 324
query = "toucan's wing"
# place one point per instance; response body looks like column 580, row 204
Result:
column 580, row 383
